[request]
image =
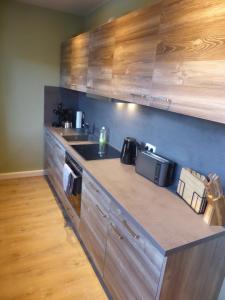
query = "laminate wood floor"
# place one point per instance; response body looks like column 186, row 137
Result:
column 40, row 257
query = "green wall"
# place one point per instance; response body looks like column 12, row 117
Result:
column 113, row 9
column 30, row 40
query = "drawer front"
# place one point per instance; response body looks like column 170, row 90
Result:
column 54, row 158
column 54, row 163
column 93, row 228
column 70, row 212
column 136, row 237
column 133, row 265
column 99, row 196
column 128, row 272
column 57, row 151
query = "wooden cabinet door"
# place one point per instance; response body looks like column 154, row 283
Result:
column 94, row 225
column 136, row 38
column 132, row 265
column 79, row 62
column 101, row 49
column 190, row 62
column 54, row 161
column 66, row 59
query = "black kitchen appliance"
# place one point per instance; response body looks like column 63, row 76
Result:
column 129, row 151
column 155, row 168
column 75, row 185
column 96, row 151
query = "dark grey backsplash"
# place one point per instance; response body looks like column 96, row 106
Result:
column 52, row 97
column 190, row 142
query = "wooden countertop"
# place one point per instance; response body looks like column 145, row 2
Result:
column 169, row 222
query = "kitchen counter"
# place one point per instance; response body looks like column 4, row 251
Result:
column 162, row 215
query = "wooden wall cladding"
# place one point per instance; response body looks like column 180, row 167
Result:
column 66, row 63
column 136, row 37
column 101, row 49
column 190, row 59
column 79, row 63
column 169, row 55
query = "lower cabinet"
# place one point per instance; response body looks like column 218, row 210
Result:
column 130, row 265
column 130, row 272
column 94, row 222
column 54, row 160
column 54, row 163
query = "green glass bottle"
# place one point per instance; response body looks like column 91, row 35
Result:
column 103, row 136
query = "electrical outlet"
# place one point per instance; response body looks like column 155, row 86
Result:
column 150, row 147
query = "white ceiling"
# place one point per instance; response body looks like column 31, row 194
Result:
column 78, row 7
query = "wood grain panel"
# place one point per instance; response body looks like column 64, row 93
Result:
column 54, row 159
column 79, row 62
column 138, row 240
column 136, row 36
column 195, row 273
column 54, row 163
column 99, row 196
column 66, row 64
column 94, row 227
column 190, row 60
column 128, row 273
column 101, row 49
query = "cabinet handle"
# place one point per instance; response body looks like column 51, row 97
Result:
column 135, row 95
column 139, row 95
column 116, row 231
column 100, row 211
column 130, row 231
column 92, row 186
column 163, row 99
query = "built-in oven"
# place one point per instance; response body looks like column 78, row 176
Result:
column 74, row 184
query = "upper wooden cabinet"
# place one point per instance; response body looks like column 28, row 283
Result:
column 190, row 62
column 169, row 55
column 79, row 64
column 66, row 64
column 101, row 49
column 136, row 37
column 74, row 62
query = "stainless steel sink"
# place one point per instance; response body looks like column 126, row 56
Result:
column 76, row 138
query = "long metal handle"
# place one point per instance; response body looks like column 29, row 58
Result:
column 130, row 231
column 116, row 231
column 135, row 95
column 163, row 99
column 138, row 95
column 100, row 211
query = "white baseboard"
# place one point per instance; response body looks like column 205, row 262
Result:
column 12, row 175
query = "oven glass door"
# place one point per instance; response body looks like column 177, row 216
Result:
column 73, row 191
column 75, row 201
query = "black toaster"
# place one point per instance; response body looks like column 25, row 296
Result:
column 155, row 168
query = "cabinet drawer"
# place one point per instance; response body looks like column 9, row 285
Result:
column 132, row 232
column 129, row 273
column 93, row 228
column 54, row 157
column 54, row 145
column 99, row 196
